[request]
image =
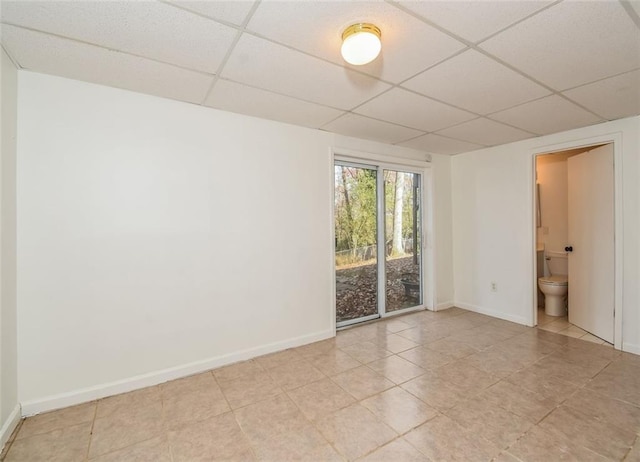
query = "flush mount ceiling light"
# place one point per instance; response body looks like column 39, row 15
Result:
column 361, row 43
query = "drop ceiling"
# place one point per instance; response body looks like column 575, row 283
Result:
column 453, row 76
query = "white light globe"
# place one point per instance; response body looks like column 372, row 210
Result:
column 361, row 46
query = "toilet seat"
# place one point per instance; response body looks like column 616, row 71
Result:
column 554, row 280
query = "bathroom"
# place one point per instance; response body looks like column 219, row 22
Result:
column 558, row 183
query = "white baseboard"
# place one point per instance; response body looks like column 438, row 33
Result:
column 444, row 305
column 154, row 378
column 495, row 314
column 9, row 426
column 631, row 348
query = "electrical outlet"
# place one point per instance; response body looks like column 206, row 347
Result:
column 494, row 287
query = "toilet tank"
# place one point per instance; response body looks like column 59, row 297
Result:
column 557, row 262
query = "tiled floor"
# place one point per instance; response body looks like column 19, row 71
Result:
column 451, row 385
column 561, row 325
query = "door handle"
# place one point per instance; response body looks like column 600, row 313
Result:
column 568, row 248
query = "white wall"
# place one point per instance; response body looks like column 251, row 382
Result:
column 443, row 230
column 554, row 197
column 159, row 238
column 9, row 409
column 493, row 224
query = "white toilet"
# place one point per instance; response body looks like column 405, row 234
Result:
column 556, row 286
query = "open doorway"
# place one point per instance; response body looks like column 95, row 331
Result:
column 575, row 242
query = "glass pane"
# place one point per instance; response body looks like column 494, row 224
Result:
column 402, row 240
column 356, row 256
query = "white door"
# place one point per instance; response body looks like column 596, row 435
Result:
column 591, row 233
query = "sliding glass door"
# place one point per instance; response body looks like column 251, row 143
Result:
column 402, row 236
column 377, row 241
column 356, row 221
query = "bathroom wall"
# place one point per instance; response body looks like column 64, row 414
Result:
column 552, row 178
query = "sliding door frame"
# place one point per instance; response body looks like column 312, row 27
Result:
column 427, row 254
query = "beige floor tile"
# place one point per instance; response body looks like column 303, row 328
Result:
column 516, row 399
column 452, row 348
column 153, row 450
column 435, row 392
column 396, row 343
column 347, row 337
column 249, row 389
column 617, row 413
column 421, row 335
column 122, row 429
column 628, row 359
column 355, row 431
column 237, row 370
column 597, row 436
column 583, row 357
column 467, row 377
column 573, row 331
column 295, row 374
column 398, row 325
column 552, row 388
column 130, row 402
column 192, row 399
column 443, row 439
column 555, row 326
column 219, row 438
column 508, row 326
column 279, row 358
column 67, row 444
column 55, row 420
column 556, row 367
column 541, row 445
column 320, row 398
column 618, row 381
column 193, row 383
column 426, row 357
column 270, row 419
column 334, row 362
column 396, row 369
column 397, row 450
column 305, row 444
column 494, row 362
column 493, row 423
column 505, row 456
column 367, row 351
column 592, row 338
column 312, row 350
column 634, row 454
column 399, row 409
column 192, row 407
column 477, row 338
column 362, row 382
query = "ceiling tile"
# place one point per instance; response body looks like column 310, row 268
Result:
column 149, row 29
column 408, row 44
column 440, row 145
column 67, row 58
column 474, row 20
column 234, row 11
column 266, row 65
column 485, row 132
column 547, row 115
column 235, row 97
column 612, row 98
column 571, row 43
column 477, row 83
column 370, row 129
column 406, row 108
